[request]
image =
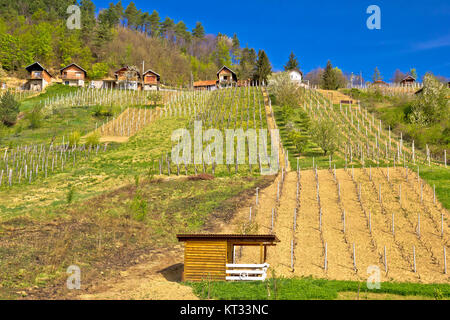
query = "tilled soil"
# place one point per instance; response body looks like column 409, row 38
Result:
column 372, row 228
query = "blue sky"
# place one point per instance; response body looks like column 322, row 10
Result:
column 414, row 34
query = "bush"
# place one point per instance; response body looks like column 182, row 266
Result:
column 35, row 117
column 74, row 138
column 93, row 139
column 139, row 207
column 9, row 109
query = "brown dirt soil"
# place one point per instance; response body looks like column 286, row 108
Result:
column 156, row 279
column 309, row 241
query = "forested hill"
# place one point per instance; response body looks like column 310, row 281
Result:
column 35, row 30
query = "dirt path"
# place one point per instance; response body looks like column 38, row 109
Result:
column 156, row 279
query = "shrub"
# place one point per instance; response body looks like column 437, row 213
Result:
column 93, row 139
column 70, row 195
column 139, row 207
column 74, row 138
column 9, row 109
column 35, row 117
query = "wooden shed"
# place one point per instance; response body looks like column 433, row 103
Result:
column 206, row 255
column 408, row 80
column 205, row 85
column 151, row 80
column 226, row 77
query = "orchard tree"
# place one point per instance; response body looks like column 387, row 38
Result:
column 326, row 134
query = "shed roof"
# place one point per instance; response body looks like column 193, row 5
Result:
column 225, row 67
column 409, row 77
column 239, row 237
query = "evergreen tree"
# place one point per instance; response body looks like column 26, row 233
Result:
column 376, row 75
column 119, row 10
column 168, row 29
column 198, row 32
column 155, row 23
column 329, row 78
column 9, row 109
column 292, row 63
column 263, row 68
column 88, row 21
column 413, row 73
column 131, row 15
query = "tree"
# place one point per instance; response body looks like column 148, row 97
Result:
column 247, row 63
column 198, row 32
column 155, row 23
column 376, row 75
column 326, row 134
column 263, row 68
column 398, row 76
column 292, row 63
column 132, row 15
column 222, row 53
column 285, row 91
column 9, row 109
column 168, row 29
column 329, row 78
column 432, row 105
column 88, row 22
column 315, row 77
column 413, row 73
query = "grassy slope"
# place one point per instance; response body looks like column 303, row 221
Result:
column 308, row 288
column 64, row 122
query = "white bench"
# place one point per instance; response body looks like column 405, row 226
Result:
column 247, row 272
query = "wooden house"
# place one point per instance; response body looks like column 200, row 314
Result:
column 408, row 80
column 73, row 75
column 206, row 85
column 151, row 80
column 226, row 77
column 212, row 256
column 127, row 78
column 39, row 77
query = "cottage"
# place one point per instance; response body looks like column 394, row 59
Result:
column 296, row 76
column 151, row 80
column 206, row 85
column 408, row 81
column 226, row 77
column 73, row 75
column 212, row 256
column 128, row 78
column 39, row 77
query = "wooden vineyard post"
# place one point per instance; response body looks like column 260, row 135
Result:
column 250, row 215
column 325, row 264
column 418, row 224
column 385, row 261
column 343, row 221
column 370, row 222
column 320, row 219
column 292, row 255
column 445, row 261
column 256, row 201
column 273, row 213
column 414, row 259
column 393, row 224
column 354, row 258
column 434, row 194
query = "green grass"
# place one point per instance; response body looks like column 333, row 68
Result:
column 308, row 289
column 440, row 177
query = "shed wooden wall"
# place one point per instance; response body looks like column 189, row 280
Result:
column 203, row 259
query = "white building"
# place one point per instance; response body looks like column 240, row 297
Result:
column 296, row 76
